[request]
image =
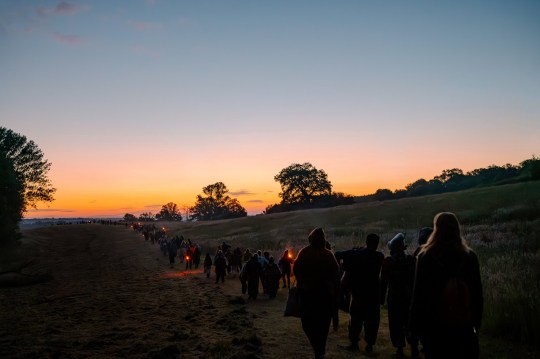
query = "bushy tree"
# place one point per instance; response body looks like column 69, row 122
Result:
column 11, row 201
column 146, row 217
column 302, row 183
column 128, row 217
column 169, row 212
column 530, row 169
column 302, row 187
column 216, row 204
column 383, row 194
column 29, row 165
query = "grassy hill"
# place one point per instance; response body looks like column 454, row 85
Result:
column 501, row 223
column 348, row 225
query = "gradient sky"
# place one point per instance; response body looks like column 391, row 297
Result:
column 139, row 103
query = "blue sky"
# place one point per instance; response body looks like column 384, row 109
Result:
column 377, row 93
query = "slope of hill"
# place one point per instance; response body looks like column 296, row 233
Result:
column 347, row 225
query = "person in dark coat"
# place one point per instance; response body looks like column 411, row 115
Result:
column 173, row 251
column 284, row 264
column 397, row 276
column 220, row 264
column 447, row 301
column 272, row 275
column 362, row 267
column 207, row 265
column 423, row 236
column 317, row 277
column 253, row 271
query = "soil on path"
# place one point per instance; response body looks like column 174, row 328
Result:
column 97, row 291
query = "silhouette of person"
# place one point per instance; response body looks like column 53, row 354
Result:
column 397, row 276
column 285, row 266
column 446, row 269
column 362, row 267
column 207, row 265
column 423, row 235
column 272, row 275
column 317, row 276
column 220, row 264
column 253, row 271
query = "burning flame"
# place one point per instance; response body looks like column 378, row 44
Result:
column 187, row 258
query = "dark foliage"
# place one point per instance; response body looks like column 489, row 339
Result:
column 11, row 201
column 303, row 187
column 29, row 164
column 169, row 212
column 454, row 179
column 216, row 204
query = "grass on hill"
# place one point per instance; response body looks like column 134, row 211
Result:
column 501, row 223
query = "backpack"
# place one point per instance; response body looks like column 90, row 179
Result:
column 456, row 303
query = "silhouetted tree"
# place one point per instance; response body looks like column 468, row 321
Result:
column 216, row 205
column 383, row 194
column 530, row 169
column 128, row 217
column 169, row 212
column 146, row 217
column 302, row 183
column 11, row 201
column 30, row 166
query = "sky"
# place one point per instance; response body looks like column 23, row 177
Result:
column 139, row 103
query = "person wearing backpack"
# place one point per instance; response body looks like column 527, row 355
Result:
column 447, row 300
column 397, row 277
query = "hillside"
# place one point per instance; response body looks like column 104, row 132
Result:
column 347, row 225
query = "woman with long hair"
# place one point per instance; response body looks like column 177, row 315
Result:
column 447, row 301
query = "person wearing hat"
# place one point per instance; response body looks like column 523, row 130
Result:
column 397, row 278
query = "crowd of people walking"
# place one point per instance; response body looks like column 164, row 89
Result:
column 434, row 296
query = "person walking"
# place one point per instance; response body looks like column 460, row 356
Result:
column 317, row 277
column 397, row 277
column 207, row 265
column 362, row 267
column 284, row 264
column 220, row 264
column 447, row 301
column 253, row 271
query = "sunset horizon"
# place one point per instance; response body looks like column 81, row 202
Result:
column 143, row 103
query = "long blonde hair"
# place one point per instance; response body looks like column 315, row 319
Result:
column 446, row 235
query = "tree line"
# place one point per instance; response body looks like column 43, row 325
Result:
column 24, row 183
column 302, row 187
column 452, row 180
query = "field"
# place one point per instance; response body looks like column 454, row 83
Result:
column 102, row 291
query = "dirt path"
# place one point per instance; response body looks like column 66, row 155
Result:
column 110, row 294
column 113, row 295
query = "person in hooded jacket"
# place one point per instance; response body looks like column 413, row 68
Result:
column 252, row 274
column 447, row 301
column 317, row 277
column 272, row 275
column 397, row 276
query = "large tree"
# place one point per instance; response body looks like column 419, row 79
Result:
column 169, row 212
column 216, row 204
column 11, row 200
column 302, row 184
column 128, row 217
column 30, row 166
